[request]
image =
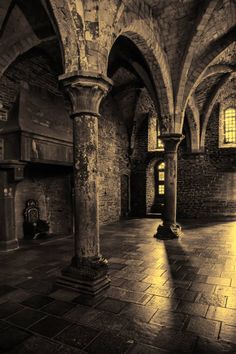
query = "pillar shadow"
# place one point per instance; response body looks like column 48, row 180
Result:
column 181, row 274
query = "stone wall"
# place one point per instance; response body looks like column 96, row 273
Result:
column 51, row 187
column 49, row 184
column 207, row 182
column 113, row 160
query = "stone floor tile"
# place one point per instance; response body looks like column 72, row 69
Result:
column 139, row 331
column 36, row 345
column 111, row 305
column 116, row 266
column 233, row 284
column 77, row 336
column 9, row 308
column 133, row 285
column 222, row 314
column 26, row 318
column 204, row 327
column 231, row 302
column 37, row 301
column 117, row 281
column 82, row 314
column 109, row 343
column 159, row 291
column 65, row 349
column 169, row 319
column 125, row 295
column 64, row 295
column 109, row 322
column 154, row 271
column 211, row 299
column 58, row 308
column 175, row 341
column 192, row 308
column 3, row 325
column 203, row 288
column 225, row 290
column 218, row 281
column 163, row 303
column 50, row 326
column 208, row 346
column 135, row 262
column 12, row 337
column 18, row 295
column 228, row 333
column 39, row 286
column 117, row 260
column 200, row 250
column 129, row 276
column 5, row 289
column 190, row 295
column 147, row 349
column 153, row 279
column 143, row 313
column 159, row 336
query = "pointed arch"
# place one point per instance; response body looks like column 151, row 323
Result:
column 146, row 36
column 194, row 124
column 208, row 107
column 67, row 27
column 202, row 20
column 199, row 71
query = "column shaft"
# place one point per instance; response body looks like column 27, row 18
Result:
column 170, row 188
column 85, row 181
column 170, row 229
column 87, row 272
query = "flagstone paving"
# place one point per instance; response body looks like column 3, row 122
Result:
column 175, row 296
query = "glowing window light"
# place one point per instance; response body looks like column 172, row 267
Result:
column 161, row 189
column 230, row 125
column 160, row 145
column 161, row 178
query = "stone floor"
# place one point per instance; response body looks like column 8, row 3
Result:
column 176, row 296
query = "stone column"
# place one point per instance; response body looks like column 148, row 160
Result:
column 11, row 172
column 87, row 272
column 170, row 229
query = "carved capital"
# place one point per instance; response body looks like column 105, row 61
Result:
column 86, row 91
column 171, row 142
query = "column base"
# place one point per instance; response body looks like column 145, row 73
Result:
column 168, row 232
column 88, row 277
column 6, row 246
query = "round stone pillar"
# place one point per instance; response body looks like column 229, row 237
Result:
column 87, row 272
column 170, row 229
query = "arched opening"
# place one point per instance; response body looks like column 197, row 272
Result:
column 134, row 94
column 35, row 127
column 155, row 187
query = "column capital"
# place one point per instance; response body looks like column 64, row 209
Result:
column 171, row 141
column 86, row 90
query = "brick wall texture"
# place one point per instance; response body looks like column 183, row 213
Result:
column 207, row 182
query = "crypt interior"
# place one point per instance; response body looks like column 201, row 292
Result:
column 117, row 176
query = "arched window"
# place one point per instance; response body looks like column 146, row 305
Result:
column 230, row 125
column 154, row 143
column 227, row 125
column 160, row 145
column 161, row 178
